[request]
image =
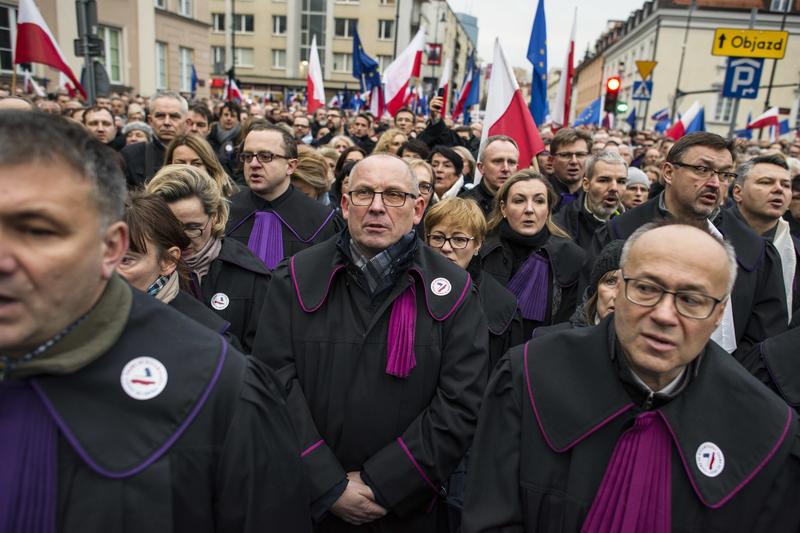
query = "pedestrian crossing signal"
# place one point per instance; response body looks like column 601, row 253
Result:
column 613, row 85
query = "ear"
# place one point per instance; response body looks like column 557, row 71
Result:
column 585, row 183
column 345, row 207
column 737, row 193
column 503, row 208
column 479, row 166
column 115, row 245
column 666, row 172
column 419, row 209
column 170, row 260
column 719, row 312
column 291, row 166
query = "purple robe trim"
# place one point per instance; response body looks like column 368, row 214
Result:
column 530, row 286
column 266, row 239
column 402, row 324
column 28, row 477
column 636, row 491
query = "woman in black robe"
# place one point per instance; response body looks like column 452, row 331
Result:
column 530, row 255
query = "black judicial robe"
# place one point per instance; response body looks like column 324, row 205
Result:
column 482, row 196
column 327, row 340
column 555, row 409
column 758, row 299
column 502, row 316
column 307, row 222
column 243, row 279
column 197, row 311
column 213, row 452
column 777, row 365
column 566, row 261
column 578, row 222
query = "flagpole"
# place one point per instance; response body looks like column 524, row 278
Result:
column 14, row 81
column 735, row 110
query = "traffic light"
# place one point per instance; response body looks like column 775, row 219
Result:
column 622, row 107
column 613, row 85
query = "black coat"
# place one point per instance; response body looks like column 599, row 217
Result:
column 758, row 298
column 562, row 191
column 306, row 222
column 194, row 309
column 240, row 276
column 482, row 196
column 777, row 365
column 556, row 407
column 142, row 161
column 578, row 222
column 214, row 452
column 327, row 340
column 502, row 316
column 566, row 261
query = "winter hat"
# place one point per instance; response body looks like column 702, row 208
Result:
column 637, row 177
column 606, row 261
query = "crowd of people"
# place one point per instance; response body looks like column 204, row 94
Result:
column 242, row 316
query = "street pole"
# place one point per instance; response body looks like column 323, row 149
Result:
column 87, row 27
column 692, row 7
column 735, row 112
column 774, row 68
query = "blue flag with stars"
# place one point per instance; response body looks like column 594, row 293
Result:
column 365, row 68
column 537, row 55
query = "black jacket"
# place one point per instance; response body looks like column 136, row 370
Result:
column 777, row 365
column 142, row 161
column 436, row 133
column 578, row 222
column 305, row 221
column 566, row 261
column 213, row 452
column 482, row 196
column 194, row 309
column 365, row 143
column 556, row 407
column 326, row 337
column 562, row 191
column 758, row 298
column 234, row 289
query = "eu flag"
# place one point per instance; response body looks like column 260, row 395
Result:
column 365, row 69
column 537, row 55
column 590, row 116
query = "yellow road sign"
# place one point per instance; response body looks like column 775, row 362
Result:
column 735, row 42
column 645, row 68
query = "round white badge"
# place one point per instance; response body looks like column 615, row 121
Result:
column 143, row 378
column 710, row 459
column 441, row 287
column 220, row 301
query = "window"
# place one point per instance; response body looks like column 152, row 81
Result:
column 185, row 62
column 385, row 29
column 345, row 27
column 218, row 22
column 387, row 2
column 384, row 61
column 347, row 1
column 312, row 23
column 722, row 113
column 243, row 23
column 161, row 4
column 218, row 59
column 8, row 26
column 243, row 57
column 278, row 59
column 161, row 65
column 185, row 8
column 278, row 24
column 112, row 58
column 342, row 62
column 780, row 6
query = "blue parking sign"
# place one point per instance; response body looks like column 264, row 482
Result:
column 742, row 77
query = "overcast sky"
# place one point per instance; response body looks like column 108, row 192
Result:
column 512, row 21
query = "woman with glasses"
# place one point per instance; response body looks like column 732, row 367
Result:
column 529, row 254
column 154, row 261
column 223, row 273
column 194, row 150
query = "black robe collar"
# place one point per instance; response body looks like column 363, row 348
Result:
column 779, row 354
column 498, row 303
column 116, row 435
column 238, row 254
column 710, row 409
column 301, row 215
column 314, row 269
column 566, row 257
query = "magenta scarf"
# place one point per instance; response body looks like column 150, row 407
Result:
column 402, row 324
column 530, row 286
column 266, row 238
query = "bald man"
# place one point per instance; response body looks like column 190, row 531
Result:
column 631, row 426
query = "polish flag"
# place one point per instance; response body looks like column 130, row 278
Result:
column 64, row 83
column 691, row 121
column 507, row 111
column 397, row 76
column 35, row 43
column 30, row 85
column 560, row 116
column 315, row 90
column 232, row 91
column 444, row 84
column 766, row 119
column 466, row 87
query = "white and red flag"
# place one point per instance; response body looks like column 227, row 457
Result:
column 507, row 111
column 232, row 91
column 770, row 117
column 315, row 90
column 560, row 115
column 444, row 84
column 30, row 85
column 35, row 43
column 397, row 76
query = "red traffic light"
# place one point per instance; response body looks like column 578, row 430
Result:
column 613, row 84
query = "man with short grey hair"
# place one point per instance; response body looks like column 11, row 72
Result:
column 641, row 423
column 381, row 346
column 168, row 113
column 600, row 198
column 497, row 162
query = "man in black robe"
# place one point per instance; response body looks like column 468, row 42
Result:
column 118, row 412
column 382, row 347
column 498, row 162
column 569, row 150
column 695, row 168
column 640, row 423
column 598, row 201
column 271, row 217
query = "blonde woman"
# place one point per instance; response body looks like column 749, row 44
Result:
column 390, row 142
column 311, row 175
column 194, row 150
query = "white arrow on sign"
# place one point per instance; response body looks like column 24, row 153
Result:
column 744, row 71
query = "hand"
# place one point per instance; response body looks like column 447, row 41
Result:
column 357, row 504
column 436, row 107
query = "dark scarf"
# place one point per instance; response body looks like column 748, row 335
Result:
column 221, row 135
column 530, row 283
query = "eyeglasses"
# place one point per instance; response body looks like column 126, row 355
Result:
column 457, row 242
column 706, row 172
column 425, row 188
column 362, row 197
column 566, row 156
column 694, row 305
column 193, row 231
column 263, row 157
